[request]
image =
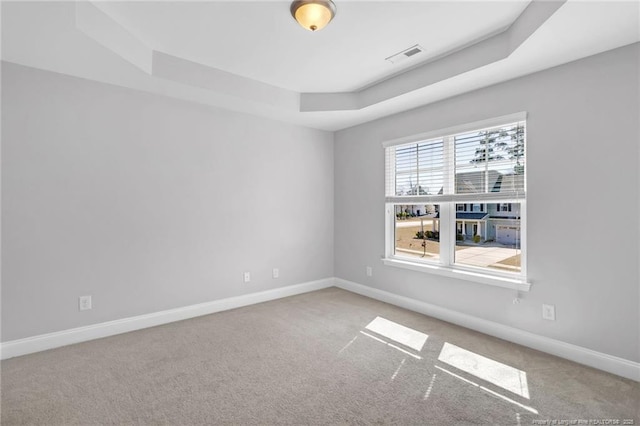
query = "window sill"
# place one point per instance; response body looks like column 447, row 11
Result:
column 505, row 282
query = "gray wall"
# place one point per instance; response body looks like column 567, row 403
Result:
column 582, row 165
column 149, row 203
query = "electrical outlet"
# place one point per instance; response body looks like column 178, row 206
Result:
column 276, row 273
column 84, row 303
column 369, row 271
column 247, row 277
column 549, row 312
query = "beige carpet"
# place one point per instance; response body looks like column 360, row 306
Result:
column 327, row 357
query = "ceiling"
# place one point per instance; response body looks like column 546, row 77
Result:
column 252, row 57
column 261, row 40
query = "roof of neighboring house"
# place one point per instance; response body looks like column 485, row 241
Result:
column 509, row 183
column 471, row 215
column 474, row 182
column 416, row 190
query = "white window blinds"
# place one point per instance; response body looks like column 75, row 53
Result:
column 488, row 163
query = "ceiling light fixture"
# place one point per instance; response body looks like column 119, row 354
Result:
column 313, row 15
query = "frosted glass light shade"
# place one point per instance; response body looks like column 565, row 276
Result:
column 313, row 15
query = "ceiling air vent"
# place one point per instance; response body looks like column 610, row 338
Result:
column 405, row 54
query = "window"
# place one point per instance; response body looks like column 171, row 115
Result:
column 455, row 202
column 504, row 207
column 478, row 207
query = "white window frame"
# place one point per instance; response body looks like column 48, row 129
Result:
column 445, row 265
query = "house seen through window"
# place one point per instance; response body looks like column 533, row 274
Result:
column 457, row 200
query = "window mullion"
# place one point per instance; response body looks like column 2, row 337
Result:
column 390, row 231
column 523, row 237
column 486, row 165
column 417, row 170
column 447, row 209
column 449, row 166
column 447, row 234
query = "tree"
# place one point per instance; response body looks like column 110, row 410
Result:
column 491, row 143
column 516, row 152
column 495, row 143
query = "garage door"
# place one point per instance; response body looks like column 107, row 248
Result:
column 509, row 235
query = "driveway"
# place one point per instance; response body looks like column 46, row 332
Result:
column 414, row 223
column 484, row 256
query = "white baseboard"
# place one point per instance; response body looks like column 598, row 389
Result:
column 43, row 342
column 612, row 364
column 605, row 362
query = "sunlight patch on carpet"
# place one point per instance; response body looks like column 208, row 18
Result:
column 398, row 333
column 391, row 345
column 489, row 391
column 507, row 377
